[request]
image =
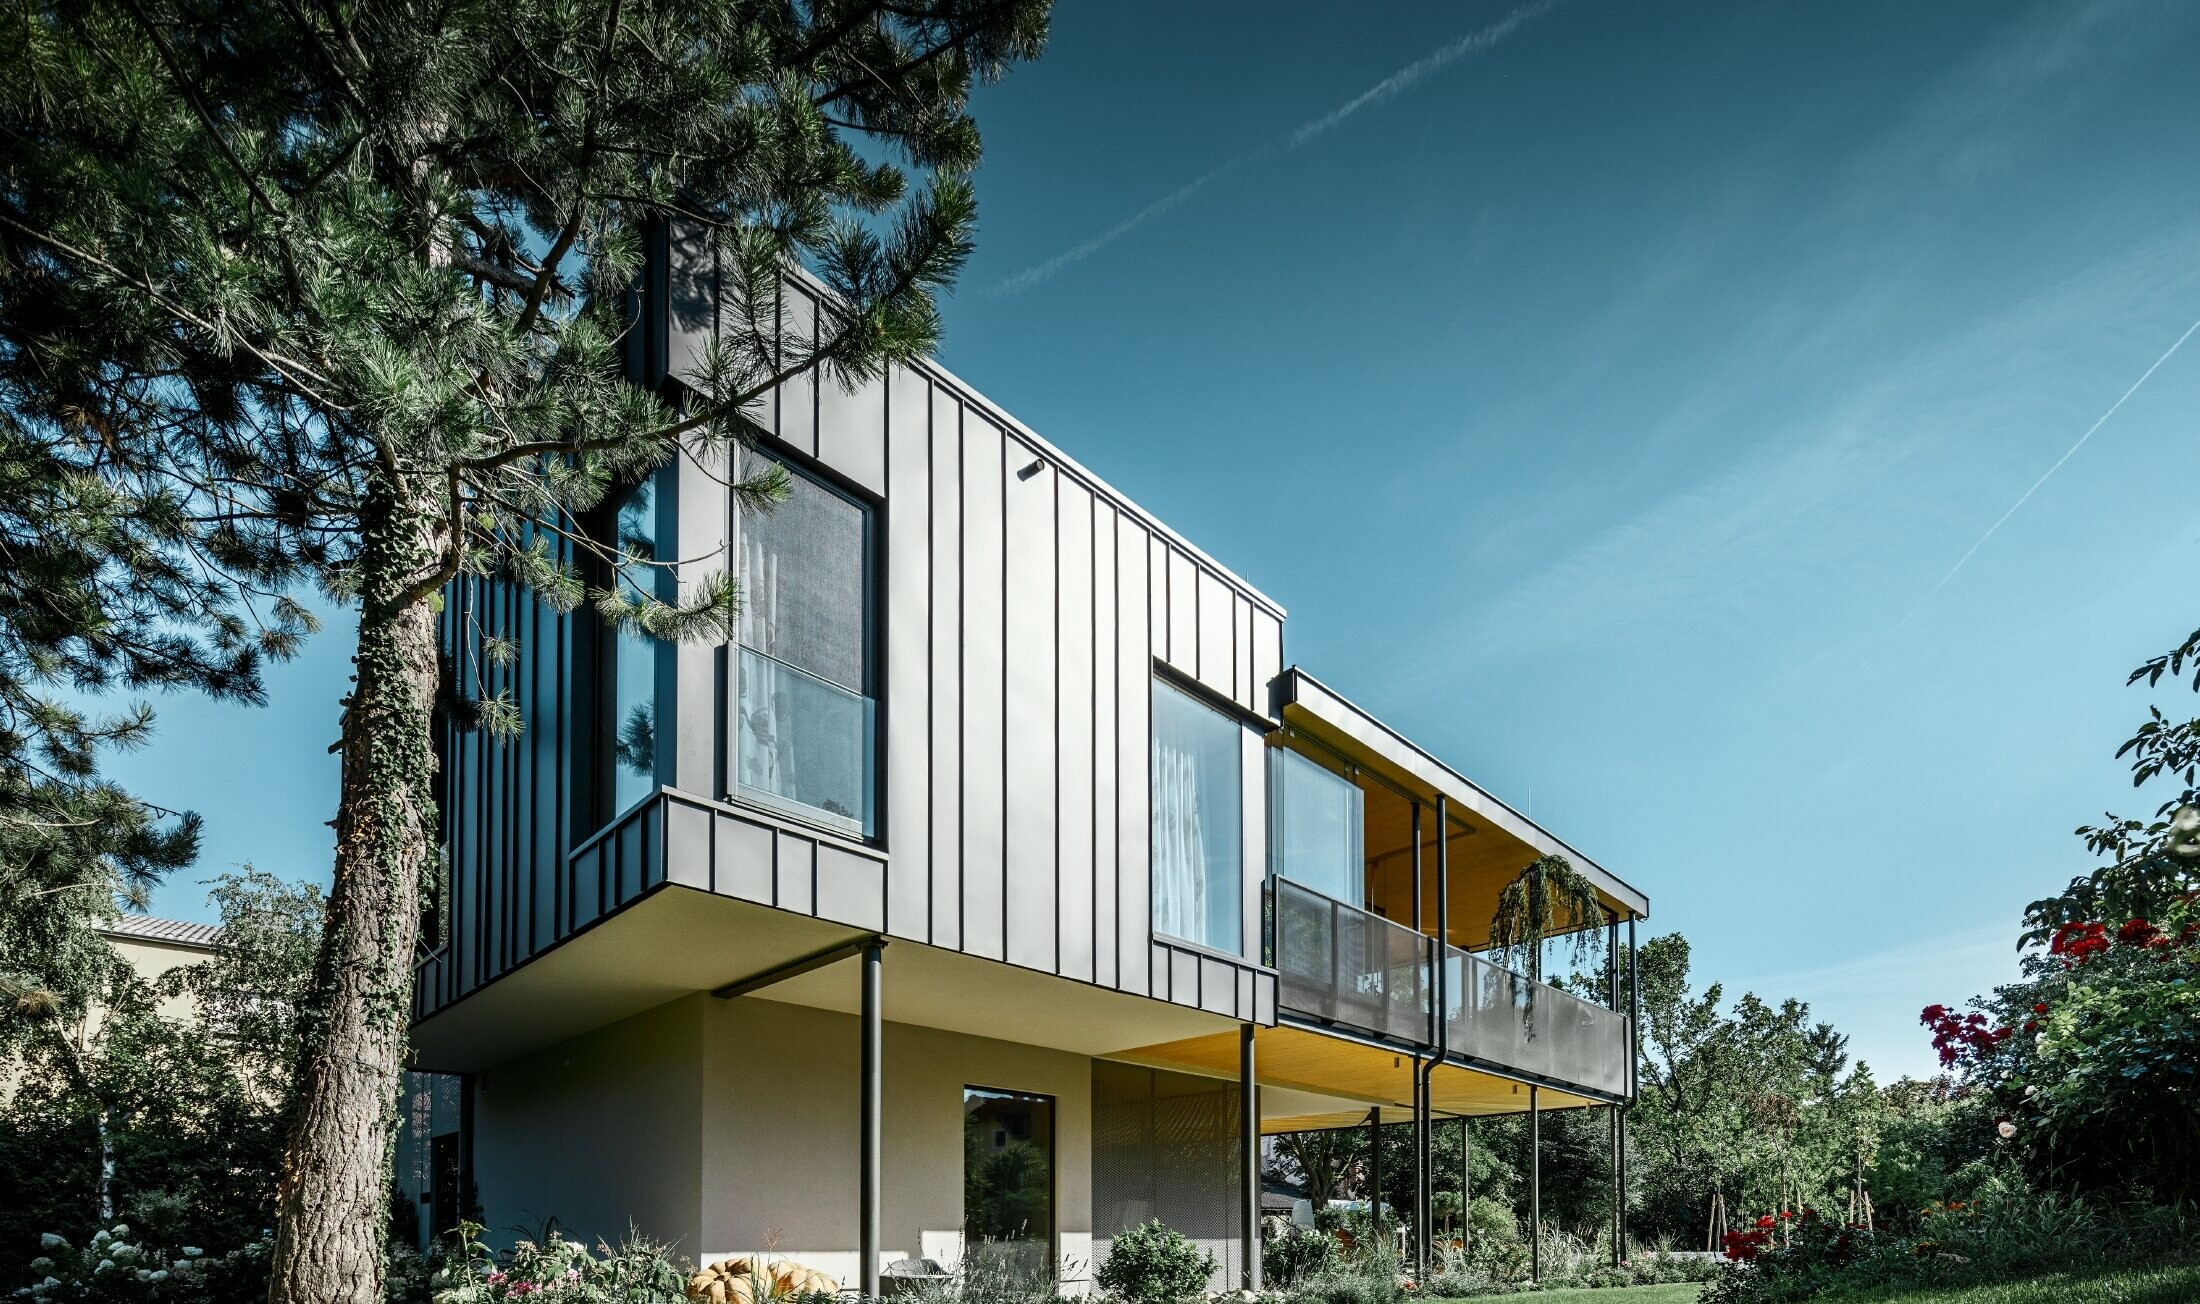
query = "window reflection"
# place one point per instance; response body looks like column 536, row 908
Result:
column 631, row 722
column 1198, row 865
column 1008, row 1182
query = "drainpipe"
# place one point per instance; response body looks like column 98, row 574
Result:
column 873, row 1084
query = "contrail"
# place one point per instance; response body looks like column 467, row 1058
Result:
column 2072, row 452
column 1398, row 83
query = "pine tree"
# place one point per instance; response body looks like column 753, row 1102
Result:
column 344, row 285
column 101, row 590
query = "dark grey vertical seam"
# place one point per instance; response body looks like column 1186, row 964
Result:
column 1004, row 474
column 881, row 608
column 931, row 653
column 1054, row 701
column 962, row 684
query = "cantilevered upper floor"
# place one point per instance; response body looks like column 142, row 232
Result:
column 980, row 701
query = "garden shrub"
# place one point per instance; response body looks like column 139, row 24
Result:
column 2007, row 1235
column 1155, row 1264
column 114, row 1266
column 1295, row 1255
column 638, row 1271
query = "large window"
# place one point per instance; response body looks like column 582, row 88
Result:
column 1008, row 1179
column 805, row 717
column 1198, row 796
column 627, row 675
column 1315, row 834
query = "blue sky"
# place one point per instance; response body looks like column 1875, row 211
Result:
column 1609, row 390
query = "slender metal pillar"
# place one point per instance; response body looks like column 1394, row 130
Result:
column 1420, row 1165
column 873, row 1091
column 1443, row 926
column 1535, row 1186
column 1375, row 1169
column 1416, row 867
column 1623, row 1248
column 1612, row 1127
column 1466, row 1186
column 1249, row 1136
column 1634, row 1022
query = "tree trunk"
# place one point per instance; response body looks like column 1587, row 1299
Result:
column 332, row 1215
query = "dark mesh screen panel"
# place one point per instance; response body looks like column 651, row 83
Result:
column 1564, row 1037
column 1348, row 966
column 1164, row 1145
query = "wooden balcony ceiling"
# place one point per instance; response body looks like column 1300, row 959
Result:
column 1331, row 1082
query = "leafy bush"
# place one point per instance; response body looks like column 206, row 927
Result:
column 637, row 1272
column 114, row 1267
column 1155, row 1264
column 2008, row 1235
column 1298, row 1253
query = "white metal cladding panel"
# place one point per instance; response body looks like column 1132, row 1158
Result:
column 1029, row 718
column 908, row 718
column 1076, row 870
column 1217, row 654
column 795, row 405
column 947, row 659
column 983, row 778
column 1134, row 792
column 1106, row 726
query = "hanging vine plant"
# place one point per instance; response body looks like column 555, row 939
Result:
column 1549, row 899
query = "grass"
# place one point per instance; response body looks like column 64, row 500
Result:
column 1683, row 1292
column 2178, row 1284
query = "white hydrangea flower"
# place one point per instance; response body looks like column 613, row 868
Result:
column 159, row 1274
column 192, row 1251
column 41, row 1264
column 105, row 1265
column 122, row 1229
column 102, row 1236
column 52, row 1242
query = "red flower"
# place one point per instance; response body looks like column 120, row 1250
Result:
column 2031, row 1026
column 1765, row 1221
column 2137, row 932
column 1933, row 1014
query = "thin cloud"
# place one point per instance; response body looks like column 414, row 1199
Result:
column 1389, row 88
column 2026, row 496
column 1413, row 74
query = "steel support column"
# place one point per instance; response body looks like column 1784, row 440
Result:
column 869, row 1167
column 1375, row 1168
column 1535, row 1186
column 1466, row 1185
column 1249, row 1139
column 1611, row 1122
column 1421, row 1070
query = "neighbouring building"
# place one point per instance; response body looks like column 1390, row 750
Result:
column 998, row 884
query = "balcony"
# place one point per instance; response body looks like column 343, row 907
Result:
column 1350, row 969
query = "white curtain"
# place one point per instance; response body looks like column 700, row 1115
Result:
column 1179, row 850
column 763, row 757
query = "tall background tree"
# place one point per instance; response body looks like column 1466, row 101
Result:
column 343, row 287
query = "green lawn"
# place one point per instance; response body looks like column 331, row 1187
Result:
column 2171, row 1285
column 1673, row 1293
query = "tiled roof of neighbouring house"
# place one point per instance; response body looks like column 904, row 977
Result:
column 175, row 932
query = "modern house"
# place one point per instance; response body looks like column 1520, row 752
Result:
column 1000, row 883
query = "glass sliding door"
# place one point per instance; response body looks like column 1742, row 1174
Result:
column 1198, row 839
column 1008, row 1183
column 805, row 711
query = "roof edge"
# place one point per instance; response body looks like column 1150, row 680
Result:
column 1296, row 686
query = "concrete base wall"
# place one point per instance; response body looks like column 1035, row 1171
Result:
column 602, row 1133
column 730, row 1127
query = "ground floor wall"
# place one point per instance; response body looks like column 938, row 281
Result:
column 731, row 1126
